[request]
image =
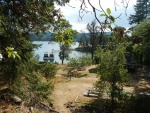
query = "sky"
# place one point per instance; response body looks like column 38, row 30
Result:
column 72, row 14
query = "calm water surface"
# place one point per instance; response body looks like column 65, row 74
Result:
column 55, row 48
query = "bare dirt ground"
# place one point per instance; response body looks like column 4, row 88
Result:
column 66, row 91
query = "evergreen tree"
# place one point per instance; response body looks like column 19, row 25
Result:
column 93, row 29
column 64, row 52
column 141, row 36
column 142, row 11
column 18, row 18
column 113, row 74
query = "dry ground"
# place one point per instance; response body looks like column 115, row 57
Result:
column 66, row 91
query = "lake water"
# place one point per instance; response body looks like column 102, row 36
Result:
column 55, row 48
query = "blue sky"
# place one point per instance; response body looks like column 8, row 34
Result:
column 72, row 14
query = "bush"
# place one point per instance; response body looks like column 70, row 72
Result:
column 80, row 61
column 39, row 90
column 32, row 85
column 49, row 70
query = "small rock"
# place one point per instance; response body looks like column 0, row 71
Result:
column 81, row 68
column 16, row 99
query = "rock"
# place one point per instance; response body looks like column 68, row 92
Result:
column 81, row 68
column 17, row 100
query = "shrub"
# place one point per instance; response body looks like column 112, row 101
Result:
column 39, row 90
column 80, row 61
column 49, row 70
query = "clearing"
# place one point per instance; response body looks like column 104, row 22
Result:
column 66, row 91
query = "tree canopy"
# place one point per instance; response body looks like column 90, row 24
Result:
column 141, row 12
column 142, row 35
column 18, row 18
column 94, row 36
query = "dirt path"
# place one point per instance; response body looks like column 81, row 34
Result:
column 66, row 91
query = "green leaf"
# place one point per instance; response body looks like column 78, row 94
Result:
column 18, row 56
column 102, row 14
column 9, row 55
column 108, row 11
column 112, row 18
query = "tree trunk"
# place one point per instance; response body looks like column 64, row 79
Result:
column 112, row 98
column 92, row 55
column 113, row 94
column 63, row 58
column 62, row 62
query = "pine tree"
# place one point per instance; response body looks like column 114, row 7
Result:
column 64, row 52
column 142, row 11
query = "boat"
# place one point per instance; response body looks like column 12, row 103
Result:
column 48, row 57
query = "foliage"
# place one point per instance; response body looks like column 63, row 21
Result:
column 28, row 14
column 73, row 73
column 32, row 84
column 62, row 25
column 64, row 34
column 133, row 104
column 9, row 73
column 113, row 61
column 39, row 90
column 94, row 37
column 119, row 32
column 109, row 19
column 10, row 67
column 83, row 40
column 17, row 20
column 141, row 12
column 111, row 69
column 49, row 70
column 10, row 52
column 80, row 61
column 142, row 34
column 76, row 64
column 112, row 72
column 64, row 52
